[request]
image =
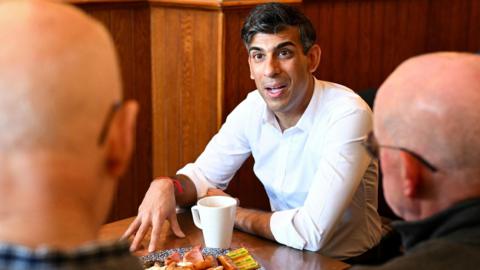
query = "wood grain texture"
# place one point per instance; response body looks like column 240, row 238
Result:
column 191, row 3
column 473, row 39
column 185, row 84
column 130, row 29
column 363, row 41
column 216, row 4
column 108, row 2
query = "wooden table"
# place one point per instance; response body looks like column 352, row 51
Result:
column 269, row 254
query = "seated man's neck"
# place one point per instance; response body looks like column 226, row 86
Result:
column 289, row 119
column 41, row 206
column 60, row 228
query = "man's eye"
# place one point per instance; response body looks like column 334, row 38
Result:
column 258, row 56
column 285, row 53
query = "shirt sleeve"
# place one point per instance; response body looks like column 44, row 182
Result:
column 336, row 180
column 224, row 154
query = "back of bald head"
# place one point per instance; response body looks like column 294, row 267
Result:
column 430, row 104
column 58, row 77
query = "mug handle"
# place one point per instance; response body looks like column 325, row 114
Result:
column 196, row 217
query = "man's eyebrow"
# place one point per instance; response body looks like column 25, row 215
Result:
column 254, row 49
column 279, row 46
column 285, row 44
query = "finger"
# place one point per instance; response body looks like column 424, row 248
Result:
column 142, row 231
column 132, row 228
column 175, row 226
column 155, row 236
column 213, row 191
column 216, row 192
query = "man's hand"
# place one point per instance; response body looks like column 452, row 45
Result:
column 157, row 206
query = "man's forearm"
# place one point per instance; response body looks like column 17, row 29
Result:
column 254, row 222
column 188, row 196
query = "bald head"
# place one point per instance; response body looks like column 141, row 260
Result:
column 430, row 104
column 58, row 77
column 58, row 81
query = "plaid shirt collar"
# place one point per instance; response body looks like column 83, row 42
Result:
column 91, row 256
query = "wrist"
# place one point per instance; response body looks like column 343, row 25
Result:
column 177, row 186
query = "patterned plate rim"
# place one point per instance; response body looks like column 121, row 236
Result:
column 163, row 254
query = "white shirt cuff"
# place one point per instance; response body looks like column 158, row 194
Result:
column 284, row 231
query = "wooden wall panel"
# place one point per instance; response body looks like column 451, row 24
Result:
column 185, row 55
column 360, row 39
column 237, row 74
column 363, row 41
column 448, row 25
column 474, row 27
column 129, row 25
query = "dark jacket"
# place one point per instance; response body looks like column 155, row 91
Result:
column 447, row 240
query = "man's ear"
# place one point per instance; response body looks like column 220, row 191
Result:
column 314, row 54
column 121, row 139
column 411, row 175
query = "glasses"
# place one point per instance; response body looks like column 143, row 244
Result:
column 372, row 147
column 108, row 122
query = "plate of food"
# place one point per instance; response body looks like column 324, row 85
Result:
column 196, row 258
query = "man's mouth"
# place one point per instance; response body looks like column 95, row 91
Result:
column 275, row 90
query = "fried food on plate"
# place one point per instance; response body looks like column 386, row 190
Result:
column 238, row 259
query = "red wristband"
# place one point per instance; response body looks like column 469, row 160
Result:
column 176, row 183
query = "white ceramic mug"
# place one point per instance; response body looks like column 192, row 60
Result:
column 215, row 216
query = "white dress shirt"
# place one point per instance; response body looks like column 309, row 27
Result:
column 321, row 183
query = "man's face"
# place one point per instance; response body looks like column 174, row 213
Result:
column 282, row 72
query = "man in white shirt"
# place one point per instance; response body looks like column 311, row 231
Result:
column 305, row 136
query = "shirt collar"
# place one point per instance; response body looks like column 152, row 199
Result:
column 306, row 121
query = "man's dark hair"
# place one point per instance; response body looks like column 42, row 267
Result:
column 272, row 18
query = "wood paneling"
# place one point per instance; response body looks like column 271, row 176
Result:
column 185, row 57
column 474, row 27
column 363, row 41
column 216, row 4
column 130, row 29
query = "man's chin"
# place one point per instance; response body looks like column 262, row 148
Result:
column 275, row 108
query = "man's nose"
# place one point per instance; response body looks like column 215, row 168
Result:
column 271, row 67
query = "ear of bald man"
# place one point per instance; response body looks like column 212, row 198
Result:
column 411, row 175
column 121, row 139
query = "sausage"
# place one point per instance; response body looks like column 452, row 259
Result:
column 204, row 264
